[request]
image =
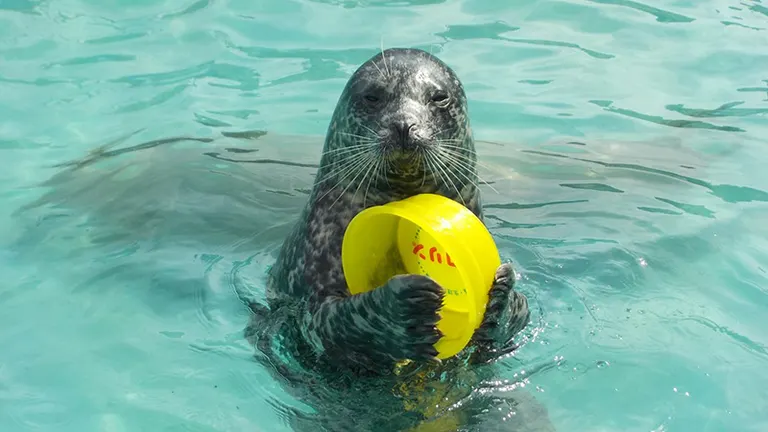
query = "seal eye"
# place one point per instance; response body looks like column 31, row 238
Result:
column 371, row 98
column 440, row 98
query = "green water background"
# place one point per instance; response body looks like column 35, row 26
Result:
column 626, row 140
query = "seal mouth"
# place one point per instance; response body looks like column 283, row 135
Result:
column 399, row 159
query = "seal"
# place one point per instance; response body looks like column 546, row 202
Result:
column 400, row 127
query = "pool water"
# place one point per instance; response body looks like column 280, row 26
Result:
column 624, row 141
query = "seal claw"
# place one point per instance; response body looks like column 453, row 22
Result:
column 506, row 315
column 418, row 305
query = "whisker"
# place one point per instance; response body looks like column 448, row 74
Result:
column 467, row 158
column 343, row 166
column 441, row 167
column 351, row 182
column 346, row 156
column 448, row 129
column 342, row 150
column 370, row 165
column 348, row 165
column 455, row 142
column 465, row 165
column 370, row 180
column 375, row 134
column 468, row 178
column 434, row 165
column 430, row 164
column 379, row 69
column 424, row 157
column 385, row 167
column 384, row 57
column 352, row 171
column 362, row 137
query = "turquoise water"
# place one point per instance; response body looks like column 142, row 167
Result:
column 624, row 140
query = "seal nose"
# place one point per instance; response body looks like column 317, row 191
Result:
column 404, row 135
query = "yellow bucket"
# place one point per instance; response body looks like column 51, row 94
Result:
column 430, row 235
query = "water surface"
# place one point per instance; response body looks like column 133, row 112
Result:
column 625, row 142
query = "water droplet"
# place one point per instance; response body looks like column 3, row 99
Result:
column 602, row 363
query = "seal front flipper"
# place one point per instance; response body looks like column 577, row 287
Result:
column 506, row 315
column 393, row 322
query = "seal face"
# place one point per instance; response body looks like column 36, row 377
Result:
column 400, row 128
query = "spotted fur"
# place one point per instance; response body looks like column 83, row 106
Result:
column 400, row 128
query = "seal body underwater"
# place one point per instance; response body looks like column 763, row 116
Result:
column 400, row 128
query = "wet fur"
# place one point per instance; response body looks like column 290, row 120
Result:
column 371, row 332
column 335, row 340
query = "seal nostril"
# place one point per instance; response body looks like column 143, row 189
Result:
column 403, row 132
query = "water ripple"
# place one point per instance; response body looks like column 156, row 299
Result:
column 101, row 58
column 696, row 210
column 731, row 23
column 726, row 192
column 197, row 6
column 693, row 124
column 642, row 252
column 599, row 187
column 494, row 31
column 756, row 7
column 22, row 6
column 517, row 206
column 351, row 4
column 156, row 100
column 660, row 14
column 725, row 110
column 743, row 341
column 122, row 37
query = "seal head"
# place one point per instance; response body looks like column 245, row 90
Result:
column 408, row 110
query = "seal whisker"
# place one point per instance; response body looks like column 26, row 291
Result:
column 346, row 165
column 430, row 163
column 424, row 168
column 359, row 171
column 347, row 159
column 363, row 138
column 384, row 57
column 441, row 175
column 465, row 157
column 384, row 169
column 466, row 164
column 379, row 69
column 454, row 142
column 343, row 150
column 375, row 134
column 441, row 168
column 457, row 151
column 434, row 136
column 376, row 173
column 352, row 171
column 370, row 164
column 343, row 156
